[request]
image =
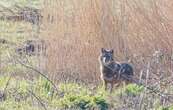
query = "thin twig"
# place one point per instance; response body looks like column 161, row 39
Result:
column 38, row 98
column 147, row 87
column 3, row 95
column 40, row 73
column 7, row 84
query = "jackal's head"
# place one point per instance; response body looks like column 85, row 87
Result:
column 106, row 55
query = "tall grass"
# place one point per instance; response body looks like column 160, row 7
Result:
column 75, row 31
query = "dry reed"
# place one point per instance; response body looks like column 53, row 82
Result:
column 75, row 31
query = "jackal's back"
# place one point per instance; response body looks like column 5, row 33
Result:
column 126, row 69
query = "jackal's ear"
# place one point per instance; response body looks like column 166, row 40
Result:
column 102, row 50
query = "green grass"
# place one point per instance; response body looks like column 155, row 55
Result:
column 15, row 33
column 21, row 3
column 133, row 89
column 76, row 96
column 166, row 108
column 73, row 96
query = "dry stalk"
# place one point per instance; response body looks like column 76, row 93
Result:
column 38, row 99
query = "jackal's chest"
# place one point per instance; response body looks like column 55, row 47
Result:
column 107, row 73
column 108, row 77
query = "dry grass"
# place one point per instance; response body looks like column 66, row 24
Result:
column 75, row 31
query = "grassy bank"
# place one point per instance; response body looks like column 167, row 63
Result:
column 22, row 94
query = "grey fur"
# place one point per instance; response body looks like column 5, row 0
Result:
column 113, row 72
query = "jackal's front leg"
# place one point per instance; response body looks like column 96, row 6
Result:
column 105, row 84
column 116, row 83
column 112, row 85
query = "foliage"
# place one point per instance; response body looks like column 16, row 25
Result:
column 133, row 89
column 166, row 108
column 72, row 95
column 76, row 96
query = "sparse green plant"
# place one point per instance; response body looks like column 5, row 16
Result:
column 166, row 108
column 76, row 96
column 133, row 89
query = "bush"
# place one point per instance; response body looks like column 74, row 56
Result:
column 76, row 96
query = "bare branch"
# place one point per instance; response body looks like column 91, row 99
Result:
column 40, row 73
column 38, row 98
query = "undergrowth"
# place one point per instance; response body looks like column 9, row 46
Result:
column 71, row 95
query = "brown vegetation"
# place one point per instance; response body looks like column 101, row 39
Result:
column 76, row 30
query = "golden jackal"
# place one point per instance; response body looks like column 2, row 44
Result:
column 113, row 72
